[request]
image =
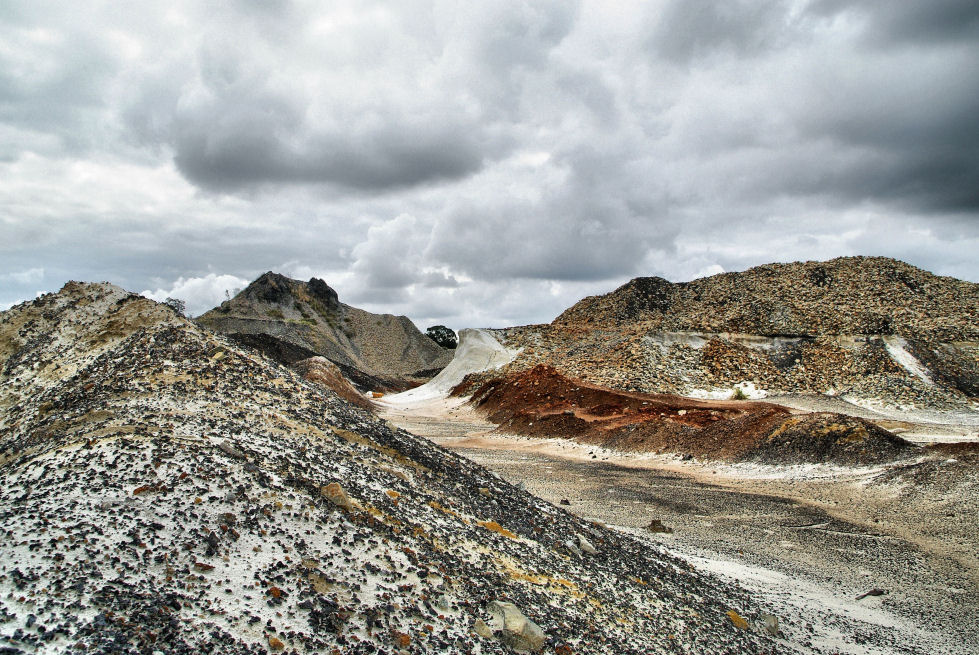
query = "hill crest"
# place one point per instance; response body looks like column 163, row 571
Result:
column 291, row 320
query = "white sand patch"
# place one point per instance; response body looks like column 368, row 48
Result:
column 897, row 348
column 834, row 618
column 478, row 351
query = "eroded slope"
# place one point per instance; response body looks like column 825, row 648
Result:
column 168, row 491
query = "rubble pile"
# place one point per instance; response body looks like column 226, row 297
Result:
column 542, row 402
column 166, row 490
column 874, row 330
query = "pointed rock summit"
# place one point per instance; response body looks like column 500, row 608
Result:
column 290, row 320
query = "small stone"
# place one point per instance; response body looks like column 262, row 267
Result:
column 872, row 592
column 484, row 491
column 334, row 493
column 230, row 450
column 481, row 629
column 737, row 620
column 770, row 623
column 276, row 644
column 586, row 546
column 517, row 631
column 401, row 640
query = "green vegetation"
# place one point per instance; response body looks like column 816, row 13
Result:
column 275, row 313
column 738, row 394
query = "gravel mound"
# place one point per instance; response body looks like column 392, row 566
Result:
column 166, row 490
column 290, row 320
column 322, row 371
column 544, row 403
column 872, row 330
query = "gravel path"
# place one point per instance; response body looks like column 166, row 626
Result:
column 808, row 540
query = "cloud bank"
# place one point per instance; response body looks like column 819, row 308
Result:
column 473, row 164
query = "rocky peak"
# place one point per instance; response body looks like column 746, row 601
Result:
column 323, row 292
column 271, row 288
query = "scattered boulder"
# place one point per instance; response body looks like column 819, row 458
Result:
column 481, row 629
column 769, row 622
column 586, row 546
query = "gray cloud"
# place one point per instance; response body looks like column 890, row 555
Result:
column 886, row 23
column 690, row 29
column 486, row 165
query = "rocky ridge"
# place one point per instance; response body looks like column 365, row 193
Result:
column 166, row 490
column 290, row 320
column 873, row 330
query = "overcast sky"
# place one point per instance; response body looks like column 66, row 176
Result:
column 479, row 163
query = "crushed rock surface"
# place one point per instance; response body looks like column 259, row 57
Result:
column 166, row 490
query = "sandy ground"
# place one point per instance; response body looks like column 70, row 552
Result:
column 920, row 426
column 808, row 540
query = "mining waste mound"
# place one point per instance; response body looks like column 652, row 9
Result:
column 543, row 402
column 869, row 329
column 290, row 320
column 167, row 490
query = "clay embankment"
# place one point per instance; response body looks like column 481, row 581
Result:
column 542, row 402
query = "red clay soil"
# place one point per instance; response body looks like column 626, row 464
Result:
column 543, row 402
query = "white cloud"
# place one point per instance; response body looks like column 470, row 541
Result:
column 31, row 276
column 200, row 293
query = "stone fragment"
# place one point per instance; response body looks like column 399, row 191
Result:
column 657, row 525
column 401, row 640
column 737, row 620
column 334, row 493
column 770, row 623
column 481, row 629
column 586, row 546
column 276, row 644
column 229, row 450
column 516, row 630
column 872, row 592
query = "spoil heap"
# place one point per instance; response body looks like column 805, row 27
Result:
column 872, row 329
column 543, row 402
column 290, row 320
column 167, row 490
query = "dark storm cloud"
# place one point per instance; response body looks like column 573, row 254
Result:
column 688, row 29
column 490, row 160
column 886, row 23
column 241, row 118
column 244, row 150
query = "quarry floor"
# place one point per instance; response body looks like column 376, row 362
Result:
column 807, row 540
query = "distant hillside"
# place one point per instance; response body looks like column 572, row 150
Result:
column 870, row 328
column 849, row 295
column 291, row 320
